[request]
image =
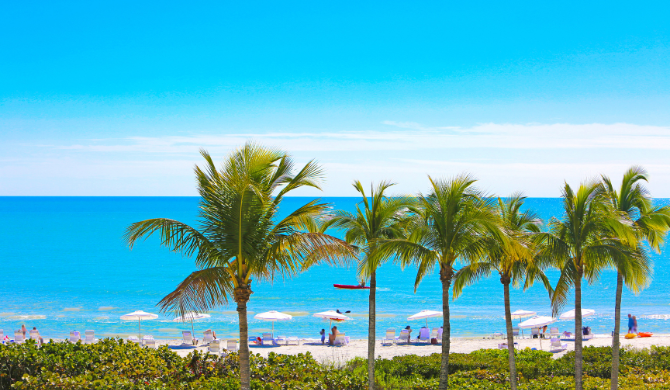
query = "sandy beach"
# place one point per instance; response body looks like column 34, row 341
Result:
column 358, row 348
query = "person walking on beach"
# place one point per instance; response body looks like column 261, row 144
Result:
column 631, row 323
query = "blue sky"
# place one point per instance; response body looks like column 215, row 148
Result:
column 116, row 99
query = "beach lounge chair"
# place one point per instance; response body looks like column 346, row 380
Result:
column 268, row 339
column 2, row 336
column 133, row 339
column 207, row 337
column 553, row 333
column 147, row 338
column 19, row 338
column 74, row 336
column 390, row 337
column 515, row 332
column 149, row 342
column 35, row 335
column 439, row 335
column 187, row 337
column 292, row 340
column 404, row 336
column 340, row 339
column 504, row 345
column 535, row 333
column 556, row 345
column 424, row 335
column 214, row 347
column 89, row 337
column 281, row 340
column 231, row 345
column 433, row 333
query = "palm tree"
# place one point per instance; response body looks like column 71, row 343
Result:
column 589, row 238
column 514, row 260
column 454, row 223
column 381, row 218
column 650, row 224
column 238, row 237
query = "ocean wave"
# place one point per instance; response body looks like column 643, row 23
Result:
column 72, row 309
column 297, row 313
column 29, row 317
column 383, row 289
column 106, row 308
column 656, row 317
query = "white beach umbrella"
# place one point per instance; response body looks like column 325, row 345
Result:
column 332, row 315
column 191, row 316
column 273, row 316
column 570, row 314
column 425, row 314
column 522, row 314
column 139, row 315
column 537, row 322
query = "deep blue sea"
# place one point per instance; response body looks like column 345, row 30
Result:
column 66, row 267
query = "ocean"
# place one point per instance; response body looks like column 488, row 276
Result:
column 66, row 267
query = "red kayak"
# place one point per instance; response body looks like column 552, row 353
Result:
column 350, row 287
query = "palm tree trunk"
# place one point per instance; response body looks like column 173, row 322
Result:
column 510, row 337
column 372, row 318
column 242, row 295
column 614, row 384
column 445, row 277
column 578, row 332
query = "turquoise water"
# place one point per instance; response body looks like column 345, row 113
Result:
column 66, row 267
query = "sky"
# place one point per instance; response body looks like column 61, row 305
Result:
column 116, row 99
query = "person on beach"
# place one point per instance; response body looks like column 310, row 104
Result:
column 332, row 336
column 41, row 340
column 323, row 336
column 23, row 330
column 544, row 331
column 631, row 323
column 213, row 333
column 409, row 332
column 634, row 325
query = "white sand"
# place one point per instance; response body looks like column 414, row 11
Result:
column 358, row 348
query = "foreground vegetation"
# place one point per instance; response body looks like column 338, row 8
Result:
column 114, row 364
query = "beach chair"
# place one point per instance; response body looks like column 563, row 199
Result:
column 149, row 342
column 146, row 339
column 207, row 337
column 504, row 345
column 19, row 338
column 439, row 335
column 89, row 337
column 556, row 345
column 553, row 333
column 214, row 347
column 515, row 332
column 404, row 336
column 2, row 336
column 133, row 339
column 34, row 335
column 74, row 336
column 281, row 340
column 433, row 333
column 567, row 334
column 187, row 337
column 424, row 335
column 231, row 345
column 340, row 339
column 535, row 332
column 390, row 337
column 268, row 339
column 292, row 339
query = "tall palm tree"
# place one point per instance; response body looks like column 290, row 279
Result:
column 589, row 238
column 513, row 260
column 454, row 223
column 238, row 236
column 380, row 218
column 651, row 225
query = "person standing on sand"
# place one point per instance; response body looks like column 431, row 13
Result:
column 24, row 330
column 631, row 323
column 323, row 336
column 634, row 325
